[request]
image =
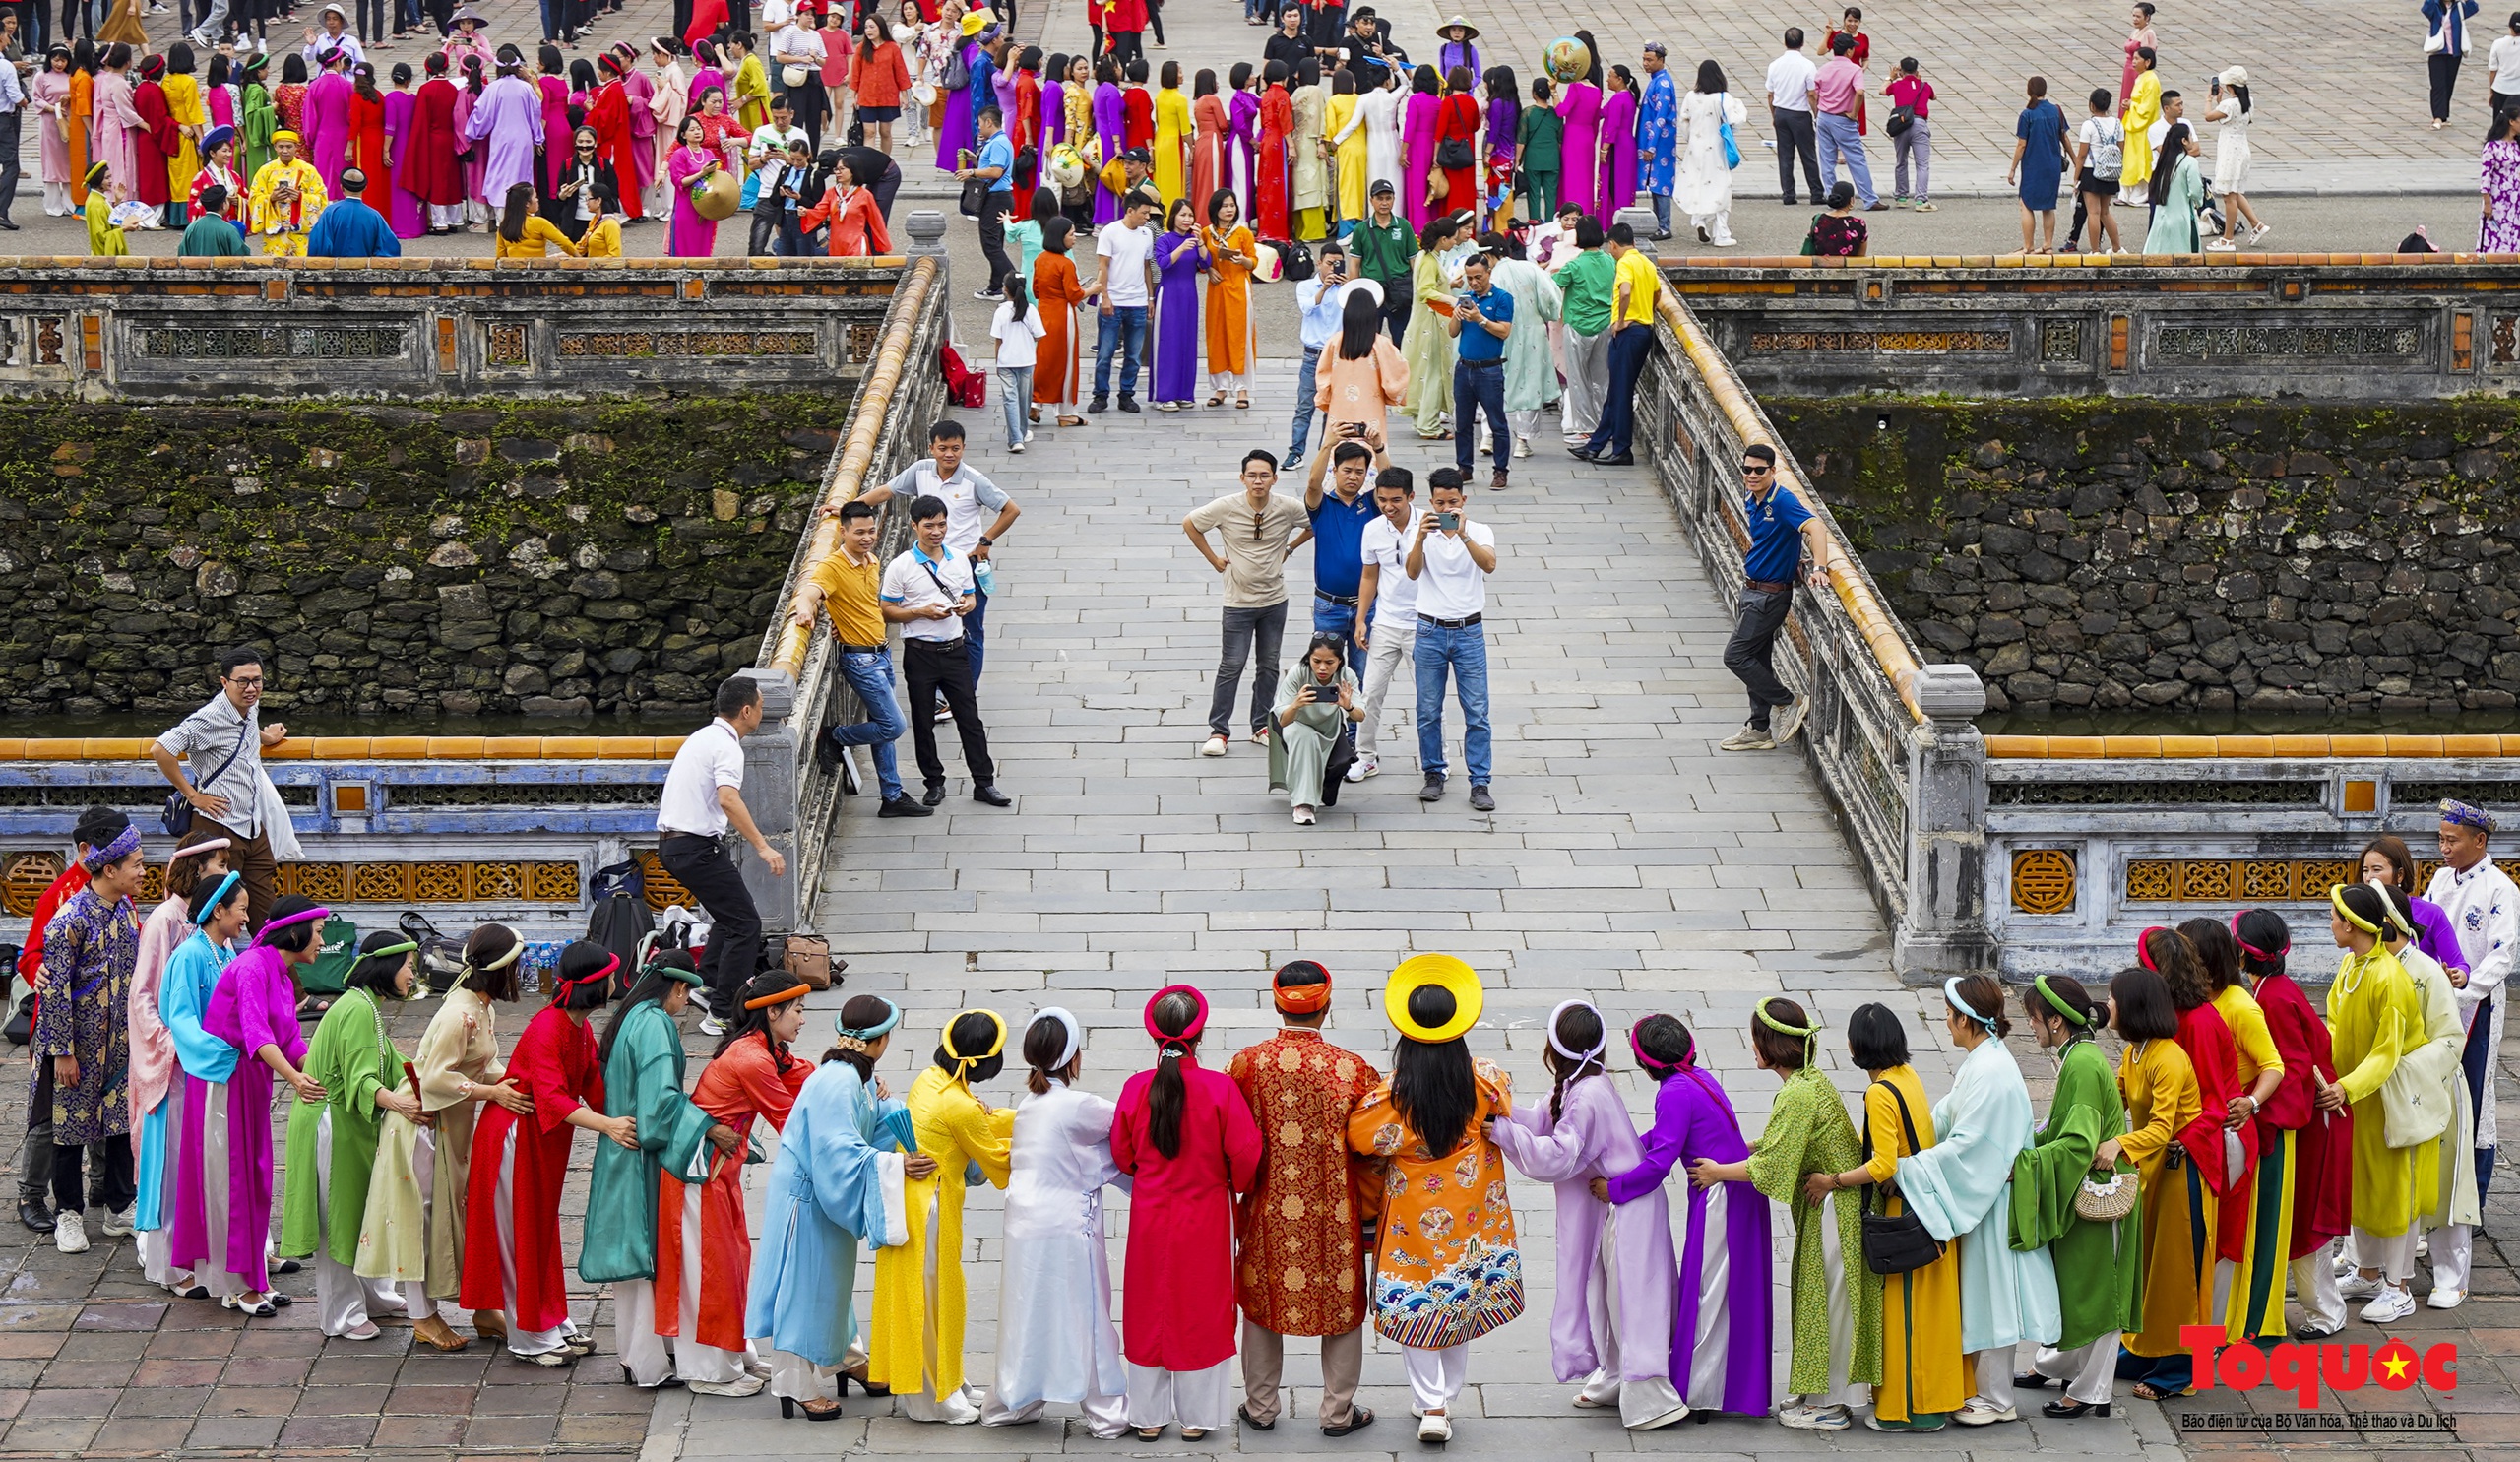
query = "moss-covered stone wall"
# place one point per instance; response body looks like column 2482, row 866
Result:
column 2107, row 554
column 544, row 556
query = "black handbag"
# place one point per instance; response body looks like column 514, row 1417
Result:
column 1901, row 120
column 974, row 196
column 1453, row 155
column 1895, row 1243
column 176, row 816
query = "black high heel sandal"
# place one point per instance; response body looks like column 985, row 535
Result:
column 2030, row 1381
column 2067, row 1409
column 787, row 1411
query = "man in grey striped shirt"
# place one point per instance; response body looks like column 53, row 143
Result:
column 225, row 741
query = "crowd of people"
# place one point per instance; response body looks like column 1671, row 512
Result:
column 1291, row 1190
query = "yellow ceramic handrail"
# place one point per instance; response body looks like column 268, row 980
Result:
column 883, row 379
column 1871, row 620
column 2230, row 749
column 367, row 749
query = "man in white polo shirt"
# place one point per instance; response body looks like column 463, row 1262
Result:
column 927, row 590
column 704, row 797
column 1388, row 633
column 978, row 513
column 1450, row 558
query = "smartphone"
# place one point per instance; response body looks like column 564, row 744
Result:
column 1448, row 521
column 1353, row 429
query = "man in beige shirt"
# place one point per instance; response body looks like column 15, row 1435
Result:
column 1260, row 530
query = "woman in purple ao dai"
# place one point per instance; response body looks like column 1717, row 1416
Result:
column 1723, row 1329
column 1612, row 1328
column 1178, row 263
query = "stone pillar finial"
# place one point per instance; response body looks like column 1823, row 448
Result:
column 1950, row 692
column 1944, row 932
column 926, row 229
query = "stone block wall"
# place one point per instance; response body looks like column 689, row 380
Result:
column 2110, row 555
column 546, row 557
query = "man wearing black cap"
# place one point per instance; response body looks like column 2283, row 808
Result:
column 350, row 228
column 1365, row 51
column 1384, row 247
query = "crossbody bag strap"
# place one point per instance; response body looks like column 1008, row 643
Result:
column 1872, row 1189
column 233, row 752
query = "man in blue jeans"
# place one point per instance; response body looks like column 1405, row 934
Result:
column 848, row 586
column 1319, row 303
column 1483, row 316
column 1126, row 250
column 1450, row 558
column 1339, row 518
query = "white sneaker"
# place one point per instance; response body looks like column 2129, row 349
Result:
column 1808, row 1418
column 1747, row 738
column 1788, row 721
column 1018, row 447
column 69, row 1233
column 2445, row 1298
column 2392, row 1306
column 1304, row 817
column 1214, row 746
column 118, row 1223
column 1522, row 446
column 2354, row 1286
column 1436, row 1428
column 710, row 1025
column 750, row 1385
column 1363, row 767
column 1977, row 1411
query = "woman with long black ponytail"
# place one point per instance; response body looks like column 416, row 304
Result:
column 1622, row 1349
column 1186, row 1136
column 1448, row 1270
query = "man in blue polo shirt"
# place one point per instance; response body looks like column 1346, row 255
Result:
column 1781, row 529
column 995, row 165
column 1339, row 518
column 1483, row 316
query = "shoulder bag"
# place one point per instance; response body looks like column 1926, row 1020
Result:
column 1895, row 1243
column 176, row 817
column 1724, row 130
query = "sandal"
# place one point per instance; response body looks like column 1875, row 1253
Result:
column 438, row 1336
column 1216, row 398
column 1150, row 1434
column 1071, row 420
column 2147, row 1391
column 1242, row 400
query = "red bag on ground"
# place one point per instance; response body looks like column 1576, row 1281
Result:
column 964, row 386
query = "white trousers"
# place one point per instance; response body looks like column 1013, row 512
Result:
column 2453, row 1247
column 213, row 1274
column 1435, row 1378
column 2315, row 1285
column 1994, row 1377
column 2393, row 1255
column 56, row 204
column 2088, row 1371
column 1228, row 380
column 798, row 1380
column 1642, row 1400
column 1390, row 644
column 521, row 1341
column 1106, row 1416
column 1588, row 382
column 343, row 1301
column 1842, row 1391
column 925, row 1405
column 1196, row 1400
column 446, row 215
column 1714, row 1312
column 1720, row 225
column 634, row 1321
column 415, row 1292
column 1522, row 423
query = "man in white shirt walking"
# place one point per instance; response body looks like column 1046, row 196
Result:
column 1789, row 80
column 2485, row 916
column 978, row 513
column 1387, row 631
column 703, row 797
column 1126, row 250
column 1450, row 558
column 929, row 591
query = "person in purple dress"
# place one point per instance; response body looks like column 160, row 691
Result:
column 704, row 75
column 1417, row 144
column 254, row 1009
column 1242, row 136
column 1178, row 263
column 328, row 119
column 2498, row 233
column 1616, row 188
column 1110, row 135
column 1620, row 1346
column 403, row 211
column 691, row 236
column 960, row 128
column 1579, row 105
column 1504, row 128
column 1053, row 105
column 507, row 123
column 1723, row 1326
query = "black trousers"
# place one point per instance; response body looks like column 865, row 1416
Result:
column 1396, row 307
column 2446, row 77
column 1796, row 137
column 993, row 222
column 930, row 668
column 9, row 168
column 34, row 1161
column 109, row 1186
column 1749, row 653
column 733, row 953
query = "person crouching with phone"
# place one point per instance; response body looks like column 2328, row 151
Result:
column 1450, row 558
column 1310, row 749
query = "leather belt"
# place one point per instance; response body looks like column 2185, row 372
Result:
column 1481, row 364
column 1348, row 599
column 864, row 650
column 1764, row 585
column 1450, row 624
column 664, row 836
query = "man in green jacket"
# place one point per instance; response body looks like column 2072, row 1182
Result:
column 209, row 236
column 1383, row 246
column 1586, row 284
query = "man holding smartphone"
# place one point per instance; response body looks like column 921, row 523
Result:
column 1339, row 518
column 1483, row 316
column 1450, row 558
column 1318, row 303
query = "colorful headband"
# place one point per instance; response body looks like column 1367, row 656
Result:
column 503, row 961
column 2056, row 1001
column 794, row 992
column 2251, row 950
column 857, row 1039
column 217, row 895
column 963, row 1063
column 1067, row 1023
column 2465, row 815
column 1951, row 993
column 2144, row 946
column 1578, row 1056
column 1810, row 1034
column 303, row 916
column 610, row 964
column 211, row 845
column 1198, row 1023
column 106, row 856
column 1659, row 1068
column 688, row 976
column 2336, row 901
column 406, row 947
column 1301, row 1000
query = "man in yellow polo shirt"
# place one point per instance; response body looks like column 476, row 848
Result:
column 849, row 585
column 1634, row 290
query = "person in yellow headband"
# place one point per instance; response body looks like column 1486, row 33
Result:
column 918, row 1285
column 284, row 200
column 2374, row 1019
